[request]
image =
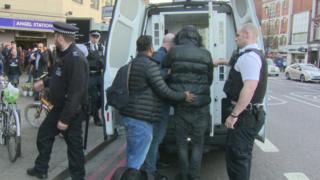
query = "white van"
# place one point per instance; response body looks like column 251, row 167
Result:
column 217, row 22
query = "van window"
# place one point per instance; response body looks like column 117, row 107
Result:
column 130, row 13
column 119, row 58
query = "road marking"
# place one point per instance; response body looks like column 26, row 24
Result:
column 267, row 146
column 276, row 103
column 299, row 100
column 307, row 95
column 296, row 176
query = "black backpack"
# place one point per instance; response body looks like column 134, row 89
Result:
column 118, row 92
column 125, row 173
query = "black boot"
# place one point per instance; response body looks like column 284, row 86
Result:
column 35, row 173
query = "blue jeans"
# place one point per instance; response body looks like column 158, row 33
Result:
column 159, row 131
column 139, row 137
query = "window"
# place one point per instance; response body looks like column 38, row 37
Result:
column 94, row 4
column 108, row 3
column 78, row 1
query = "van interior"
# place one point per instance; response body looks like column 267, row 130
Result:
column 175, row 22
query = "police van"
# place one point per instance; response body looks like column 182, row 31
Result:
column 217, row 23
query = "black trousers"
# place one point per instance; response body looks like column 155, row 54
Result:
column 240, row 144
column 95, row 95
column 73, row 138
column 190, row 123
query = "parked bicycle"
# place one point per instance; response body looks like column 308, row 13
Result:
column 10, row 129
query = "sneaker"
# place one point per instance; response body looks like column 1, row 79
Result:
column 35, row 173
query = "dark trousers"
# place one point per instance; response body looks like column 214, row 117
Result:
column 240, row 144
column 190, row 123
column 95, row 95
column 159, row 132
column 46, row 135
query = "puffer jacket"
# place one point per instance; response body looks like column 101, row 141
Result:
column 146, row 90
column 191, row 70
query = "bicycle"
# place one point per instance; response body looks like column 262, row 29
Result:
column 10, row 130
column 36, row 112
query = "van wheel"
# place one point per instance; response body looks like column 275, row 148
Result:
column 302, row 78
column 288, row 76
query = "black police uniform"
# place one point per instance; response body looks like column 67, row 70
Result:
column 95, row 60
column 68, row 92
column 240, row 140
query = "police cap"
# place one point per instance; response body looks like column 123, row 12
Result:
column 64, row 28
column 95, row 33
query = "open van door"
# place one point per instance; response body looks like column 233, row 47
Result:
column 245, row 12
column 121, row 46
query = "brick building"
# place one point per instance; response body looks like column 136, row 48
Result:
column 274, row 23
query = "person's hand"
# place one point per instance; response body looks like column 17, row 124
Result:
column 189, row 96
column 61, row 126
column 230, row 122
column 38, row 85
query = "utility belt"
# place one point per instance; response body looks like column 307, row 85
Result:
column 256, row 109
column 250, row 106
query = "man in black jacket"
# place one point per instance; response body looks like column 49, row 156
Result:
column 146, row 87
column 68, row 93
column 191, row 68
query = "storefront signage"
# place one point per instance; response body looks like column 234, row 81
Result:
column 25, row 24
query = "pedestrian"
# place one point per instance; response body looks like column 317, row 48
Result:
column 146, row 86
column 40, row 61
column 159, row 128
column 191, row 68
column 245, row 88
column 68, row 85
column 13, row 68
column 95, row 60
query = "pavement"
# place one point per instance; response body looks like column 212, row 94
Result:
column 58, row 162
column 291, row 150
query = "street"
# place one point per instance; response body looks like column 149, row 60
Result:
column 291, row 151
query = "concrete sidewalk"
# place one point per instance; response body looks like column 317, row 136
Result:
column 58, row 162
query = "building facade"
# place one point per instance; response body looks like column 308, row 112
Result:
column 314, row 47
column 289, row 29
column 299, row 43
column 30, row 21
column 274, row 24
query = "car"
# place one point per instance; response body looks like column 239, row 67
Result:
column 217, row 23
column 303, row 72
column 272, row 69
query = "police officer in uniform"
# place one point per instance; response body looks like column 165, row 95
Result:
column 245, row 88
column 68, row 93
column 95, row 59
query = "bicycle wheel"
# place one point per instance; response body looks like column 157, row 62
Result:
column 35, row 114
column 13, row 136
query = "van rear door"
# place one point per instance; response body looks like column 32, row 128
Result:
column 245, row 12
column 121, row 46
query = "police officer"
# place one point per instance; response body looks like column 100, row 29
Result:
column 68, row 84
column 245, row 88
column 95, row 59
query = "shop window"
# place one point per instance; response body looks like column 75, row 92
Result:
column 78, row 1
column 94, row 4
column 108, row 3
